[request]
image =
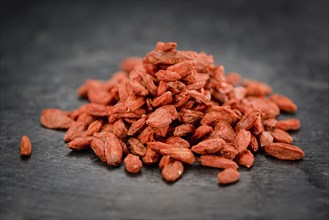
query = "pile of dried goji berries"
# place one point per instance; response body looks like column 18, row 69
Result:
column 173, row 106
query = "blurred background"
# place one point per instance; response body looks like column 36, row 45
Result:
column 48, row 48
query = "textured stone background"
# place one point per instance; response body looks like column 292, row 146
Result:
column 49, row 48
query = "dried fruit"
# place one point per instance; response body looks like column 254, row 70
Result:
column 178, row 142
column 165, row 160
column 132, row 163
column 164, row 99
column 161, row 131
column 248, row 120
column 202, row 131
column 113, row 150
column 284, row 151
column 172, row 171
column 228, row 176
column 181, row 98
column 119, row 129
column 265, row 138
column 136, row 147
column 157, row 146
column 233, row 78
column 258, row 127
column 138, row 88
column 137, row 125
column 245, row 158
column 80, row 143
column 281, row 136
column 146, row 135
column 55, row 119
column 288, row 124
column 129, row 63
column 255, row 88
column 253, row 144
column 74, row 131
column 94, row 126
column 225, row 113
column 223, row 130
column 182, row 154
column 208, row 146
column 199, row 96
column 266, row 106
column 168, row 76
column 217, row 162
column 228, row 151
column 150, row 157
column 270, row 123
column 98, row 147
column 86, row 118
column 25, row 147
column 160, row 117
column 125, row 150
column 190, row 116
column 97, row 109
column 173, row 105
column 243, row 140
column 183, row 130
column 284, row 103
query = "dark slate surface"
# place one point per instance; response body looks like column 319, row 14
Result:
column 48, row 49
